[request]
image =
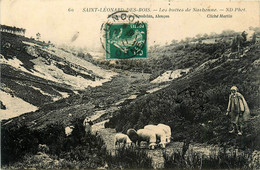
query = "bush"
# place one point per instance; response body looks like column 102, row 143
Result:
column 20, row 145
column 16, row 142
column 129, row 158
column 192, row 160
column 20, row 141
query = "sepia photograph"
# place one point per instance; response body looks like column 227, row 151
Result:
column 130, row 84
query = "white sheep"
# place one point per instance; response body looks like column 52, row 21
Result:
column 148, row 136
column 167, row 130
column 160, row 134
column 87, row 125
column 68, row 130
column 121, row 138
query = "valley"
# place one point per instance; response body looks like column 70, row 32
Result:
column 185, row 87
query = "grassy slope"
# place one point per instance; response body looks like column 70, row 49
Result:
column 200, row 98
column 79, row 105
column 84, row 104
column 168, row 58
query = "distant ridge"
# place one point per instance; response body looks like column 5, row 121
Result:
column 13, row 30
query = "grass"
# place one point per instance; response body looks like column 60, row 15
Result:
column 222, row 160
column 129, row 158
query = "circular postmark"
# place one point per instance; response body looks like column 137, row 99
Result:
column 124, row 36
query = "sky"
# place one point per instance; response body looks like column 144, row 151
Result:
column 53, row 21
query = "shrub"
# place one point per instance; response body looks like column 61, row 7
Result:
column 16, row 142
column 129, row 158
column 81, row 150
column 192, row 160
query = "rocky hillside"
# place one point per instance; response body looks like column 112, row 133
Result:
column 34, row 73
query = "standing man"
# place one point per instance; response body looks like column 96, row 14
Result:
column 238, row 110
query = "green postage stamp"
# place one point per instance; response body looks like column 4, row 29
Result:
column 126, row 40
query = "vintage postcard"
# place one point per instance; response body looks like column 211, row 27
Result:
column 120, row 84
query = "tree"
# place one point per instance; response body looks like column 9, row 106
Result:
column 38, row 36
column 205, row 35
column 226, row 33
column 254, row 38
column 174, row 41
column 198, row 36
column 182, row 41
column 213, row 35
column 244, row 35
column 187, row 39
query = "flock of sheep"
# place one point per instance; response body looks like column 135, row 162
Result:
column 153, row 135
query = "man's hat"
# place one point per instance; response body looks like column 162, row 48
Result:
column 234, row 88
